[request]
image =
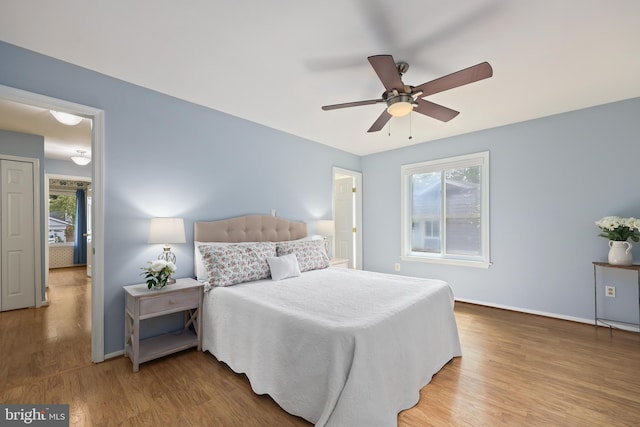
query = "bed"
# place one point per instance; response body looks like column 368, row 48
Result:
column 337, row 347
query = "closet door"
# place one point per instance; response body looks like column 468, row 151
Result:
column 17, row 247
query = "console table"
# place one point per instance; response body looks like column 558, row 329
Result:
column 608, row 322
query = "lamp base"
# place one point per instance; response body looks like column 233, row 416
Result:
column 326, row 245
column 167, row 255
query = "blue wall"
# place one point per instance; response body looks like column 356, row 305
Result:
column 168, row 157
column 551, row 179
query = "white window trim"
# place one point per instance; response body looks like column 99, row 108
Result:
column 407, row 171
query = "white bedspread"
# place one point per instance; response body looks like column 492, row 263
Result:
column 336, row 347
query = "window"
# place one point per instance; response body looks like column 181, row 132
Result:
column 445, row 211
column 62, row 212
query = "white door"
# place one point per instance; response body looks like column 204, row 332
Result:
column 89, row 245
column 347, row 214
column 343, row 200
column 17, row 263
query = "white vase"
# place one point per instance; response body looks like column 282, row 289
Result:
column 620, row 253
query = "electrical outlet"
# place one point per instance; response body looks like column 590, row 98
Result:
column 396, row 266
column 610, row 291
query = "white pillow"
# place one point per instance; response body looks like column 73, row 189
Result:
column 284, row 267
column 201, row 269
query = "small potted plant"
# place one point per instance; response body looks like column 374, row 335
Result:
column 619, row 230
column 158, row 273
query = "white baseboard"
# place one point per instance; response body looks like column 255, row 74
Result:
column 546, row 314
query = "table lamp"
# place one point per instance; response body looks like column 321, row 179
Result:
column 167, row 231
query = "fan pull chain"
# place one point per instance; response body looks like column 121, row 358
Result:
column 410, row 136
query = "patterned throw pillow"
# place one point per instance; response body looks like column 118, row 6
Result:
column 233, row 264
column 311, row 254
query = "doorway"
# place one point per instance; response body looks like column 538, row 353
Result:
column 347, row 215
column 97, row 213
column 61, row 195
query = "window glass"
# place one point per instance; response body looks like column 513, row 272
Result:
column 62, row 213
column 427, row 212
column 445, row 210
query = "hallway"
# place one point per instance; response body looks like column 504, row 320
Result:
column 37, row 343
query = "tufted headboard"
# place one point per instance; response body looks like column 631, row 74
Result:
column 250, row 228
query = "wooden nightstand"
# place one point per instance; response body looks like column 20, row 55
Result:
column 340, row 262
column 142, row 303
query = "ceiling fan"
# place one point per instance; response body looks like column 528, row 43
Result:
column 402, row 99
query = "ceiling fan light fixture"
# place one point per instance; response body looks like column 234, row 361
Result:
column 81, row 158
column 400, row 105
column 66, row 118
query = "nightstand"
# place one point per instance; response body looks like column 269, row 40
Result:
column 142, row 303
column 340, row 262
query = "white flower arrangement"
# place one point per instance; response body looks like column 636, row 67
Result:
column 619, row 229
column 158, row 273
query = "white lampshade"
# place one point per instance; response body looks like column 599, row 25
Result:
column 66, row 118
column 325, row 227
column 167, row 230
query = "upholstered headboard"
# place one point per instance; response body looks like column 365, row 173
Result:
column 250, row 228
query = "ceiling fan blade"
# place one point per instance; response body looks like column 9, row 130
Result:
column 459, row 78
column 351, row 104
column 386, row 69
column 436, row 111
column 380, row 122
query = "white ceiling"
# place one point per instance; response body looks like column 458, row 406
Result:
column 277, row 62
column 61, row 141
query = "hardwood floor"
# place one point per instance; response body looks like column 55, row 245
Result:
column 516, row 370
column 44, row 342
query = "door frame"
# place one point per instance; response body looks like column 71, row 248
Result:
column 357, row 177
column 97, row 179
column 37, row 219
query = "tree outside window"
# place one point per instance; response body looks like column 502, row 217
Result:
column 62, row 207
